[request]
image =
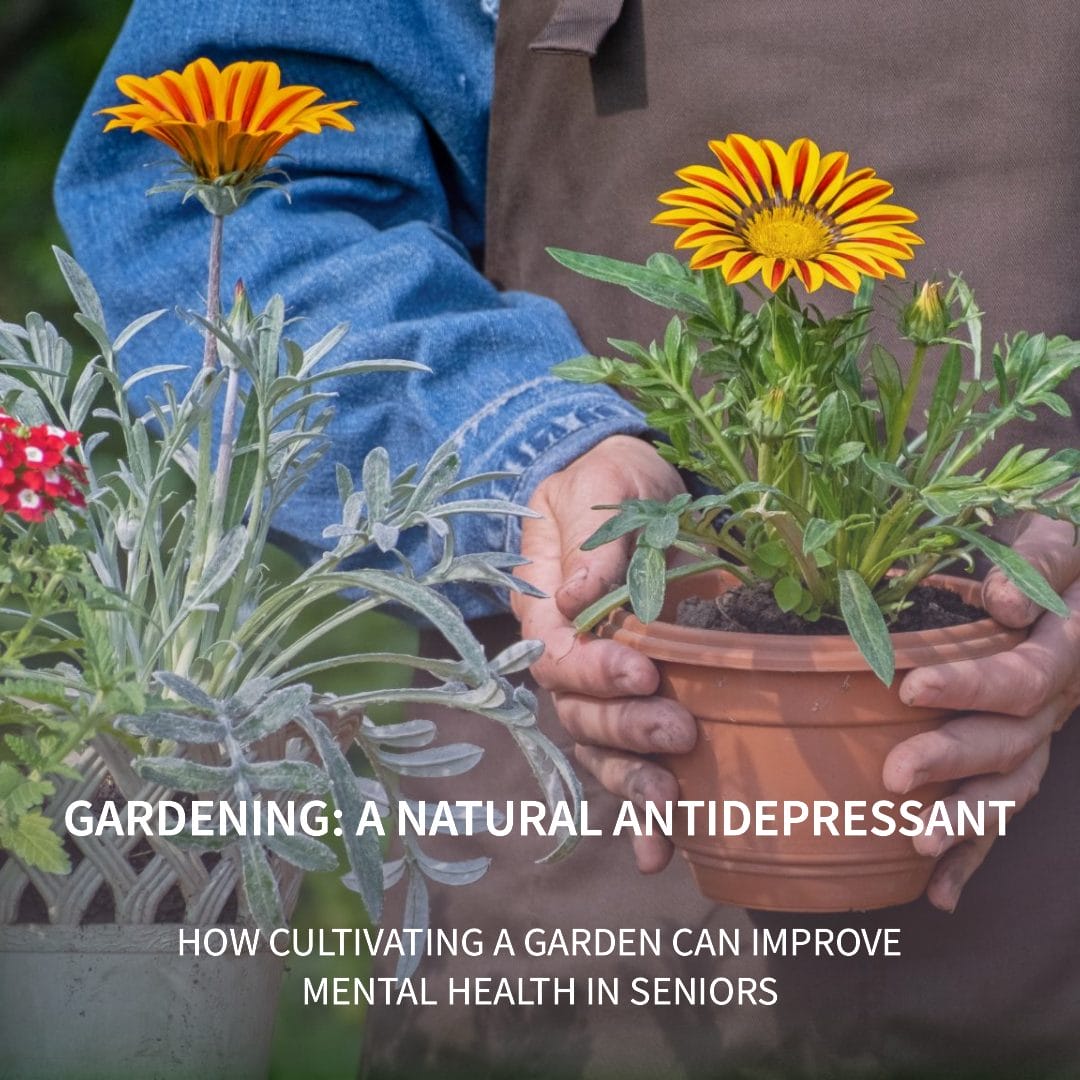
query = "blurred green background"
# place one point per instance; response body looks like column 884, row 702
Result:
column 50, row 53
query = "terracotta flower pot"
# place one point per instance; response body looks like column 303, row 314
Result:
column 792, row 718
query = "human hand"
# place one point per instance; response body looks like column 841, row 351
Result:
column 1013, row 702
column 603, row 691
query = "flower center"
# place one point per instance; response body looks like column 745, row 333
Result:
column 787, row 232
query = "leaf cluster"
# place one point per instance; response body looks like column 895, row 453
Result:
column 182, row 644
column 832, row 487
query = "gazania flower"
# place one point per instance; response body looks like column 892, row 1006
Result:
column 226, row 123
column 780, row 212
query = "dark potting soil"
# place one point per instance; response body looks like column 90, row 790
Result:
column 751, row 609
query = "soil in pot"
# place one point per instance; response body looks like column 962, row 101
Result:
column 751, row 609
column 791, row 718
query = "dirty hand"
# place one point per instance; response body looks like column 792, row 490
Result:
column 603, row 691
column 1013, row 702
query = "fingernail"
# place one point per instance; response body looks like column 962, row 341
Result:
column 941, row 846
column 628, row 681
column 670, row 738
column 918, row 777
column 924, row 691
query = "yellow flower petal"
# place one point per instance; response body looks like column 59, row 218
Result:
column 782, row 167
column 755, row 163
column 740, row 266
column 810, row 274
column 713, row 180
column 784, row 212
column 707, row 234
column 774, row 272
column 829, row 180
column 733, row 173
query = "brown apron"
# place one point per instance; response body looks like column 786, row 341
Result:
column 970, row 110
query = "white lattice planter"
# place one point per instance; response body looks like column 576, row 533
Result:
column 133, row 1007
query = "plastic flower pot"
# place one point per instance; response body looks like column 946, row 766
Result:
column 799, row 718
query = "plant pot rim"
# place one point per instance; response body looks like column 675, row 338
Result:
column 664, row 640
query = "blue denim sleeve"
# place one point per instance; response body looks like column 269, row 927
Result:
column 382, row 232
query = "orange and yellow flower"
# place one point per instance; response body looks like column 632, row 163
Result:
column 780, row 212
column 226, row 123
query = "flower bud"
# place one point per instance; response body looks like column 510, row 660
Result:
column 127, row 529
column 242, row 327
column 766, row 415
column 926, row 319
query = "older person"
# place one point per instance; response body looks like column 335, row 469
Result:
column 969, row 111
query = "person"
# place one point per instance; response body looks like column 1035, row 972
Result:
column 595, row 103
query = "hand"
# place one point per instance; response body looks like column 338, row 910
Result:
column 602, row 690
column 1014, row 702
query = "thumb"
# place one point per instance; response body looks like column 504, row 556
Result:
column 1050, row 547
column 591, row 574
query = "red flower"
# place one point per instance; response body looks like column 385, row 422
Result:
column 36, row 475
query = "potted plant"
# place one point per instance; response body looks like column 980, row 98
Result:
column 148, row 656
column 822, row 521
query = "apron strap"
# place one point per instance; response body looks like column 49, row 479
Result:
column 577, row 26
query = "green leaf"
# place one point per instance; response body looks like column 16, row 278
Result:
column 363, row 850
column 773, row 553
column 34, row 842
column 376, row 482
column 244, row 466
column 18, row 793
column 788, row 593
column 222, row 564
column 408, row 733
column 175, row 726
column 866, row 625
column 584, row 369
column 626, row 520
column 1015, row 567
column 187, row 691
column 450, row 760
column 299, row 776
column 943, row 401
column 646, row 582
column 417, row 917
column 661, row 532
column 82, row 290
column 653, row 283
column 890, row 387
column 833, row 423
column 887, row 471
column 425, row 601
column 784, row 340
column 462, row 872
column 260, row 888
column 818, row 533
column 303, row 851
column 273, row 713
column 185, row 775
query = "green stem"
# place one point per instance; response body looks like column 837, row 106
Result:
column 731, row 460
column 789, row 531
column 881, row 534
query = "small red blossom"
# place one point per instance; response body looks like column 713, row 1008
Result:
column 36, row 474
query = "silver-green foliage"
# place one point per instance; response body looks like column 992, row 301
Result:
column 195, row 646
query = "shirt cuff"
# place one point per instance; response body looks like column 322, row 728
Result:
column 532, row 431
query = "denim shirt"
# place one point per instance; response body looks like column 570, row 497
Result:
column 384, row 232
